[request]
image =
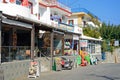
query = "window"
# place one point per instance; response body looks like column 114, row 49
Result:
column 71, row 22
column 18, row 2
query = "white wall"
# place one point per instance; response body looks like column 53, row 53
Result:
column 14, row 10
column 45, row 15
column 75, row 19
column 35, row 7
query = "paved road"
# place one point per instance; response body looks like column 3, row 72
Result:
column 95, row 72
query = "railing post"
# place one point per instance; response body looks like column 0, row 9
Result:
column 0, row 33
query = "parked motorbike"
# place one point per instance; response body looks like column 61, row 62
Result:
column 67, row 64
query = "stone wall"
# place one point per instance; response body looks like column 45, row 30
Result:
column 113, row 57
column 1, row 73
column 16, row 69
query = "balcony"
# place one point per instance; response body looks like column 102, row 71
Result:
column 13, row 9
column 66, row 27
column 62, row 26
column 55, row 3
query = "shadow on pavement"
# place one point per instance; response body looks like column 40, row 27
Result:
column 106, row 77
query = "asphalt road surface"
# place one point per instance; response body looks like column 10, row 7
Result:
column 104, row 71
column 92, row 72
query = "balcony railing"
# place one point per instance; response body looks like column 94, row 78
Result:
column 15, row 9
column 66, row 27
column 55, row 3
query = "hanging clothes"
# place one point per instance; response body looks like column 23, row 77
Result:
column 25, row 3
column 12, row 1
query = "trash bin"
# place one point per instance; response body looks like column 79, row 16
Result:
column 103, row 56
column 54, row 66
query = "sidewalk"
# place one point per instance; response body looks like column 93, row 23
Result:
column 42, row 74
column 46, row 75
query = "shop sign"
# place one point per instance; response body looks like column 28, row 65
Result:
column 34, row 70
column 78, row 30
column 83, row 43
column 116, row 43
column 75, row 37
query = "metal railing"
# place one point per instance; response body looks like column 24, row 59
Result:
column 44, row 52
column 10, row 53
column 56, row 3
column 67, row 27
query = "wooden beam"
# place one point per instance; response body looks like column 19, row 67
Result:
column 32, row 42
column 51, row 49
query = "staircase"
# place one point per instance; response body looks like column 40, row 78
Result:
column 45, row 64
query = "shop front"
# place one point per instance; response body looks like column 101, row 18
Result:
column 71, row 46
column 91, row 45
column 15, row 42
column 48, row 40
column 72, row 43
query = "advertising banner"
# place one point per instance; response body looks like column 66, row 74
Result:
column 34, row 69
column 116, row 43
column 83, row 43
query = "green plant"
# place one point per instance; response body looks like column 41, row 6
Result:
column 104, row 46
column 111, row 49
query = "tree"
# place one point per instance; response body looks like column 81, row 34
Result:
column 110, row 33
column 92, row 32
column 104, row 46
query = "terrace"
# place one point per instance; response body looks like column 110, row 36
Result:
column 53, row 3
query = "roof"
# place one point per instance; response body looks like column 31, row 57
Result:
column 90, row 38
column 79, row 13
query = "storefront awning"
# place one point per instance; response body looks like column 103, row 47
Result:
column 16, row 23
column 76, row 37
column 90, row 38
column 70, row 36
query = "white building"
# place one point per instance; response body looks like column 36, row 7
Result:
column 21, row 25
column 82, row 19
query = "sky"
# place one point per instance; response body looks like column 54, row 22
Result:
column 107, row 10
